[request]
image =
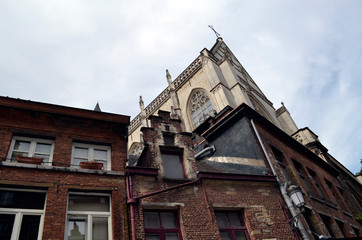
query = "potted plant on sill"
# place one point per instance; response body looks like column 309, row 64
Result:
column 29, row 160
column 91, row 165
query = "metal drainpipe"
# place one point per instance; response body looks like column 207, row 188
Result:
column 207, row 202
column 131, row 201
column 208, row 149
column 283, row 188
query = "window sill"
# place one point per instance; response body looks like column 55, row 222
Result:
column 64, row 169
column 177, row 180
column 331, row 204
column 347, row 214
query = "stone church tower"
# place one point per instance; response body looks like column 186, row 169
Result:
column 215, row 82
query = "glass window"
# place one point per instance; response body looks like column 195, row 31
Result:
column 173, row 165
column 31, row 147
column 161, row 225
column 88, row 217
column 231, row 226
column 282, row 164
column 200, row 108
column 317, row 184
column 302, row 176
column 328, row 224
column 21, row 213
column 88, row 152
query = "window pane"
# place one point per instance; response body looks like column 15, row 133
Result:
column 29, row 227
column 6, row 226
column 153, row 236
column 234, row 219
column 222, row 220
column 240, row 235
column 225, row 236
column 76, row 162
column 25, row 200
column 22, row 146
column 43, row 148
column 81, row 152
column 171, row 236
column 77, row 229
column 100, row 154
column 88, row 203
column 100, row 228
column 151, row 220
column 168, row 220
column 172, row 166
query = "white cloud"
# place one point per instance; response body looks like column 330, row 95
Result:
column 304, row 53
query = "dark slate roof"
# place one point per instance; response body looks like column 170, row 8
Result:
column 132, row 160
column 222, row 167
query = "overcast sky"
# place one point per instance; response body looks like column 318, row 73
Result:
column 307, row 54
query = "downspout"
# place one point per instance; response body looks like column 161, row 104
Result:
column 132, row 203
column 283, row 188
column 205, row 198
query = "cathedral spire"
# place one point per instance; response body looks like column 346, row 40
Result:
column 97, row 108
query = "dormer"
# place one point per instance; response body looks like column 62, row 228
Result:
column 167, row 148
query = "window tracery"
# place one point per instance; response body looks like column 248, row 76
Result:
column 200, row 108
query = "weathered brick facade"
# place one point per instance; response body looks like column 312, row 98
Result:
column 255, row 197
column 321, row 182
column 64, row 126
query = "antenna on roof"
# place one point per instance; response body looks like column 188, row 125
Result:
column 216, row 33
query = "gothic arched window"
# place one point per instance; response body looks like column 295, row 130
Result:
column 200, row 108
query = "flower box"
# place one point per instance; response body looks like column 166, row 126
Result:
column 91, row 165
column 29, row 160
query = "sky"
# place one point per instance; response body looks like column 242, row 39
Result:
column 307, row 54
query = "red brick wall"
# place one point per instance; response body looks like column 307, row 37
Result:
column 318, row 205
column 64, row 130
column 58, row 184
column 257, row 200
column 57, row 181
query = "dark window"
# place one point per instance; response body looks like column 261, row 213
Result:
column 281, row 162
column 356, row 231
column 308, row 216
column 231, row 226
column 302, row 175
column 161, row 225
column 25, row 206
column 25, row 200
column 336, row 195
column 341, row 227
column 173, row 165
column 341, row 196
column 168, row 139
column 327, row 223
column 317, row 185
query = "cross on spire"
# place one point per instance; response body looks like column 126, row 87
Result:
column 216, row 33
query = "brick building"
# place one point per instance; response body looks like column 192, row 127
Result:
column 49, row 188
column 236, row 131
column 174, row 196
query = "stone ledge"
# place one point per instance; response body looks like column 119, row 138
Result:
column 63, row 169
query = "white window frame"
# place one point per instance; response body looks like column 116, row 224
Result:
column 91, row 148
column 89, row 215
column 33, row 142
column 19, row 213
